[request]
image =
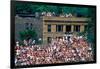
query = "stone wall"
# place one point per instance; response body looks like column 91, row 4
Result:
column 20, row 25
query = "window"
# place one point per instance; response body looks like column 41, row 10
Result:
column 49, row 39
column 49, row 28
column 31, row 25
column 28, row 26
column 77, row 28
column 68, row 28
column 59, row 28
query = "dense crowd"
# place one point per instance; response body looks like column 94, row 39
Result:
column 60, row 50
column 53, row 14
column 37, row 14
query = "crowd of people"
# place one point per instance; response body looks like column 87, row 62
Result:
column 53, row 14
column 60, row 50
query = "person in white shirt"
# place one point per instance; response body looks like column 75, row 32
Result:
column 33, row 42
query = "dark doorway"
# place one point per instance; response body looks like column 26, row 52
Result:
column 49, row 39
column 68, row 28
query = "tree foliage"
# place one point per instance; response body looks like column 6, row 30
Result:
column 91, row 26
column 32, row 8
column 27, row 34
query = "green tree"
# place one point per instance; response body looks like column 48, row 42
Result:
column 34, row 7
column 27, row 34
column 91, row 26
column 23, row 8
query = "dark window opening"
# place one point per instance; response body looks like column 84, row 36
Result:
column 49, row 28
column 28, row 26
column 77, row 28
column 31, row 26
column 59, row 28
column 49, row 39
column 68, row 28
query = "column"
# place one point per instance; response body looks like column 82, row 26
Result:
column 72, row 28
column 64, row 28
column 53, row 28
column 45, row 28
column 82, row 28
column 44, row 39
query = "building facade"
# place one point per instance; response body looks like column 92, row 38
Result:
column 48, row 27
column 57, row 26
column 28, row 22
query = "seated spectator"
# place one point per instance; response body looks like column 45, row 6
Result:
column 57, row 51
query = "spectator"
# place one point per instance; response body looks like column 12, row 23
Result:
column 56, row 52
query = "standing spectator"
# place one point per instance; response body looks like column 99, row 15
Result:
column 33, row 42
column 25, row 42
